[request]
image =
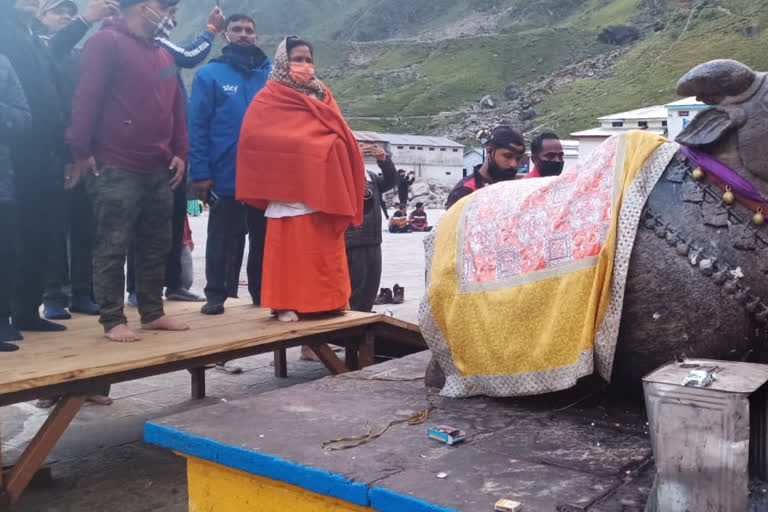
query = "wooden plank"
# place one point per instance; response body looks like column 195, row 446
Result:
column 198, row 382
column 41, row 445
column 281, row 364
column 85, row 354
column 367, row 350
column 330, row 359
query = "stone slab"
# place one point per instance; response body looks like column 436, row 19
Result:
column 530, row 450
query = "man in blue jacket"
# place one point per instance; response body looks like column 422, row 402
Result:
column 221, row 93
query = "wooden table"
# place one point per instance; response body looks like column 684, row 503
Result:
column 75, row 363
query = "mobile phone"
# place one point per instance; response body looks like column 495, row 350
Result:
column 212, row 198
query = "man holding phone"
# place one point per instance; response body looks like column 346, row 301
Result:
column 221, row 93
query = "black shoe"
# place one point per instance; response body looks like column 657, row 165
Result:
column 9, row 332
column 385, row 297
column 8, row 347
column 398, row 294
column 37, row 324
column 84, row 306
column 213, row 308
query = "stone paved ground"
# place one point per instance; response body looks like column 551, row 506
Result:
column 101, row 464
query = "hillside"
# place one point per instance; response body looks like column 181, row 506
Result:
column 424, row 66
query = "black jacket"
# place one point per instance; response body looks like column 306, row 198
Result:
column 369, row 233
column 36, row 63
column 466, row 186
column 14, row 115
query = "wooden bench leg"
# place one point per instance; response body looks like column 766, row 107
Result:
column 281, row 364
column 367, row 349
column 350, row 357
column 41, row 445
column 198, row 383
column 330, row 359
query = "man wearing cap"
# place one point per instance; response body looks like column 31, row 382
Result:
column 129, row 139
column 57, row 14
column 504, row 152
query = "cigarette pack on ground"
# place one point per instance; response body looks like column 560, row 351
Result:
column 508, row 506
column 447, row 435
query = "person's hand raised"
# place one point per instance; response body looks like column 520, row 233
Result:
column 98, row 10
column 216, row 19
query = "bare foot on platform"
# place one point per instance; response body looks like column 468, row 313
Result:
column 287, row 316
column 100, row 400
column 307, row 354
column 165, row 323
column 122, row 334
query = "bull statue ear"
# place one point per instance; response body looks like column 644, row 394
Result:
column 711, row 125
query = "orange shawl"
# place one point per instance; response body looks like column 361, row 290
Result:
column 294, row 148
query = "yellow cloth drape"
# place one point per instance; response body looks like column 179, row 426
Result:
column 545, row 320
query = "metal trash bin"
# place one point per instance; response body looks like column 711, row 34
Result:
column 707, row 441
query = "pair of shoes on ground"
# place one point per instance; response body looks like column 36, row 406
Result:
column 229, row 368
column 9, row 333
column 180, row 295
column 34, row 323
column 82, row 305
column 217, row 308
column 394, row 296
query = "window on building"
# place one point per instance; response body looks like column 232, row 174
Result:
column 683, row 113
column 400, row 147
column 455, row 150
column 664, row 123
column 617, row 124
column 420, row 148
column 642, row 124
column 431, row 149
column 442, row 149
column 412, row 147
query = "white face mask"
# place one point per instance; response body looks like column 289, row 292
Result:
column 164, row 24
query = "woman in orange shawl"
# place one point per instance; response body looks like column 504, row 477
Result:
column 298, row 159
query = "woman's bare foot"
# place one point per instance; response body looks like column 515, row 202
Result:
column 100, row 399
column 287, row 316
column 307, row 354
column 165, row 323
column 122, row 334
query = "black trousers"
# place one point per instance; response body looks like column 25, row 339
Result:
column 365, row 276
column 70, row 260
column 8, row 258
column 39, row 194
column 402, row 193
column 173, row 279
column 228, row 221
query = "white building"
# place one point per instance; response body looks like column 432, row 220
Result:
column 472, row 158
column 434, row 158
column 682, row 112
column 653, row 119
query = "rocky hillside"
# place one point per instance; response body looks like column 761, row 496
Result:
column 454, row 66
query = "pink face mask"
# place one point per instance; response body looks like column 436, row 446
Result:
column 302, row 72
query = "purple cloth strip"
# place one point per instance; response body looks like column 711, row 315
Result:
column 725, row 174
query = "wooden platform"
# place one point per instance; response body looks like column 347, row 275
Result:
column 75, row 363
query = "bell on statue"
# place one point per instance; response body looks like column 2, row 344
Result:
column 728, row 197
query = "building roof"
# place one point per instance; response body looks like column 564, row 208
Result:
column 406, row 140
column 686, row 103
column 641, row 114
column 597, row 133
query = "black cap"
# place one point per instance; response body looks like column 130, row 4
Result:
column 505, row 136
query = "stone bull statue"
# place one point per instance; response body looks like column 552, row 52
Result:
column 696, row 283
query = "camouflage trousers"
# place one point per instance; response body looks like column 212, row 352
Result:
column 129, row 206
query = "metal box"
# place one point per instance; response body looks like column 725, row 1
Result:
column 707, row 441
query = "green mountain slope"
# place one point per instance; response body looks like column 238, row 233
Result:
column 423, row 66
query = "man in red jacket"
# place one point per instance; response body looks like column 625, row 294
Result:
column 129, row 139
column 547, row 156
